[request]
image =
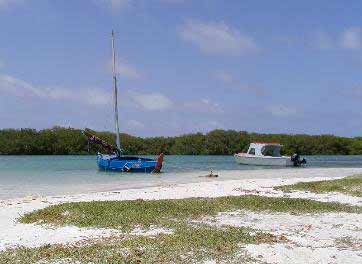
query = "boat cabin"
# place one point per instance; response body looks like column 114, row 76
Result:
column 265, row 149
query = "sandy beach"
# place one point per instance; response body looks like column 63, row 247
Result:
column 312, row 238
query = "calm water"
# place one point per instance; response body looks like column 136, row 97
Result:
column 49, row 175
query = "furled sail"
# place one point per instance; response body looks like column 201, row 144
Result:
column 94, row 139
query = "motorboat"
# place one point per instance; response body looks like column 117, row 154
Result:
column 267, row 154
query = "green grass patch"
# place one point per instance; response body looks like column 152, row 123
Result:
column 125, row 215
column 350, row 185
column 189, row 242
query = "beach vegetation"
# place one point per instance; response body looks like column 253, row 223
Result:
column 125, row 215
column 349, row 185
column 189, row 239
column 188, row 244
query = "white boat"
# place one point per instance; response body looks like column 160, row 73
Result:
column 267, row 154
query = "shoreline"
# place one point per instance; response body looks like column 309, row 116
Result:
column 167, row 179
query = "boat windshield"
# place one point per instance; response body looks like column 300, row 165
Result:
column 271, row 150
column 252, row 151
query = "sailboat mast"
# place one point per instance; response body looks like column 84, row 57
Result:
column 115, row 93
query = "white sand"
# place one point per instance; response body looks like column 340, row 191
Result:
column 310, row 238
column 304, row 246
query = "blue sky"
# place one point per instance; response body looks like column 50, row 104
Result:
column 183, row 65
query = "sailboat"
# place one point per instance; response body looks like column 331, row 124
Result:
column 114, row 160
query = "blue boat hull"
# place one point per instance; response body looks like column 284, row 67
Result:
column 125, row 164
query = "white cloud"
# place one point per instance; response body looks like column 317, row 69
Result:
column 114, row 5
column 151, row 101
column 203, row 105
column 352, row 38
column 19, row 87
column 127, row 71
column 281, row 111
column 13, row 86
column 217, row 38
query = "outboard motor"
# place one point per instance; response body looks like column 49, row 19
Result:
column 297, row 161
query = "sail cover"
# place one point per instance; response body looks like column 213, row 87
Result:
column 94, row 139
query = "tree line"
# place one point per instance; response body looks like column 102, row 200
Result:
column 70, row 141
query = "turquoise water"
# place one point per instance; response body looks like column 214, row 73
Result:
column 52, row 175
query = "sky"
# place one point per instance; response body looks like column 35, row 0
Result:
column 183, row 66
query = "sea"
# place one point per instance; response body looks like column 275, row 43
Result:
column 22, row 176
